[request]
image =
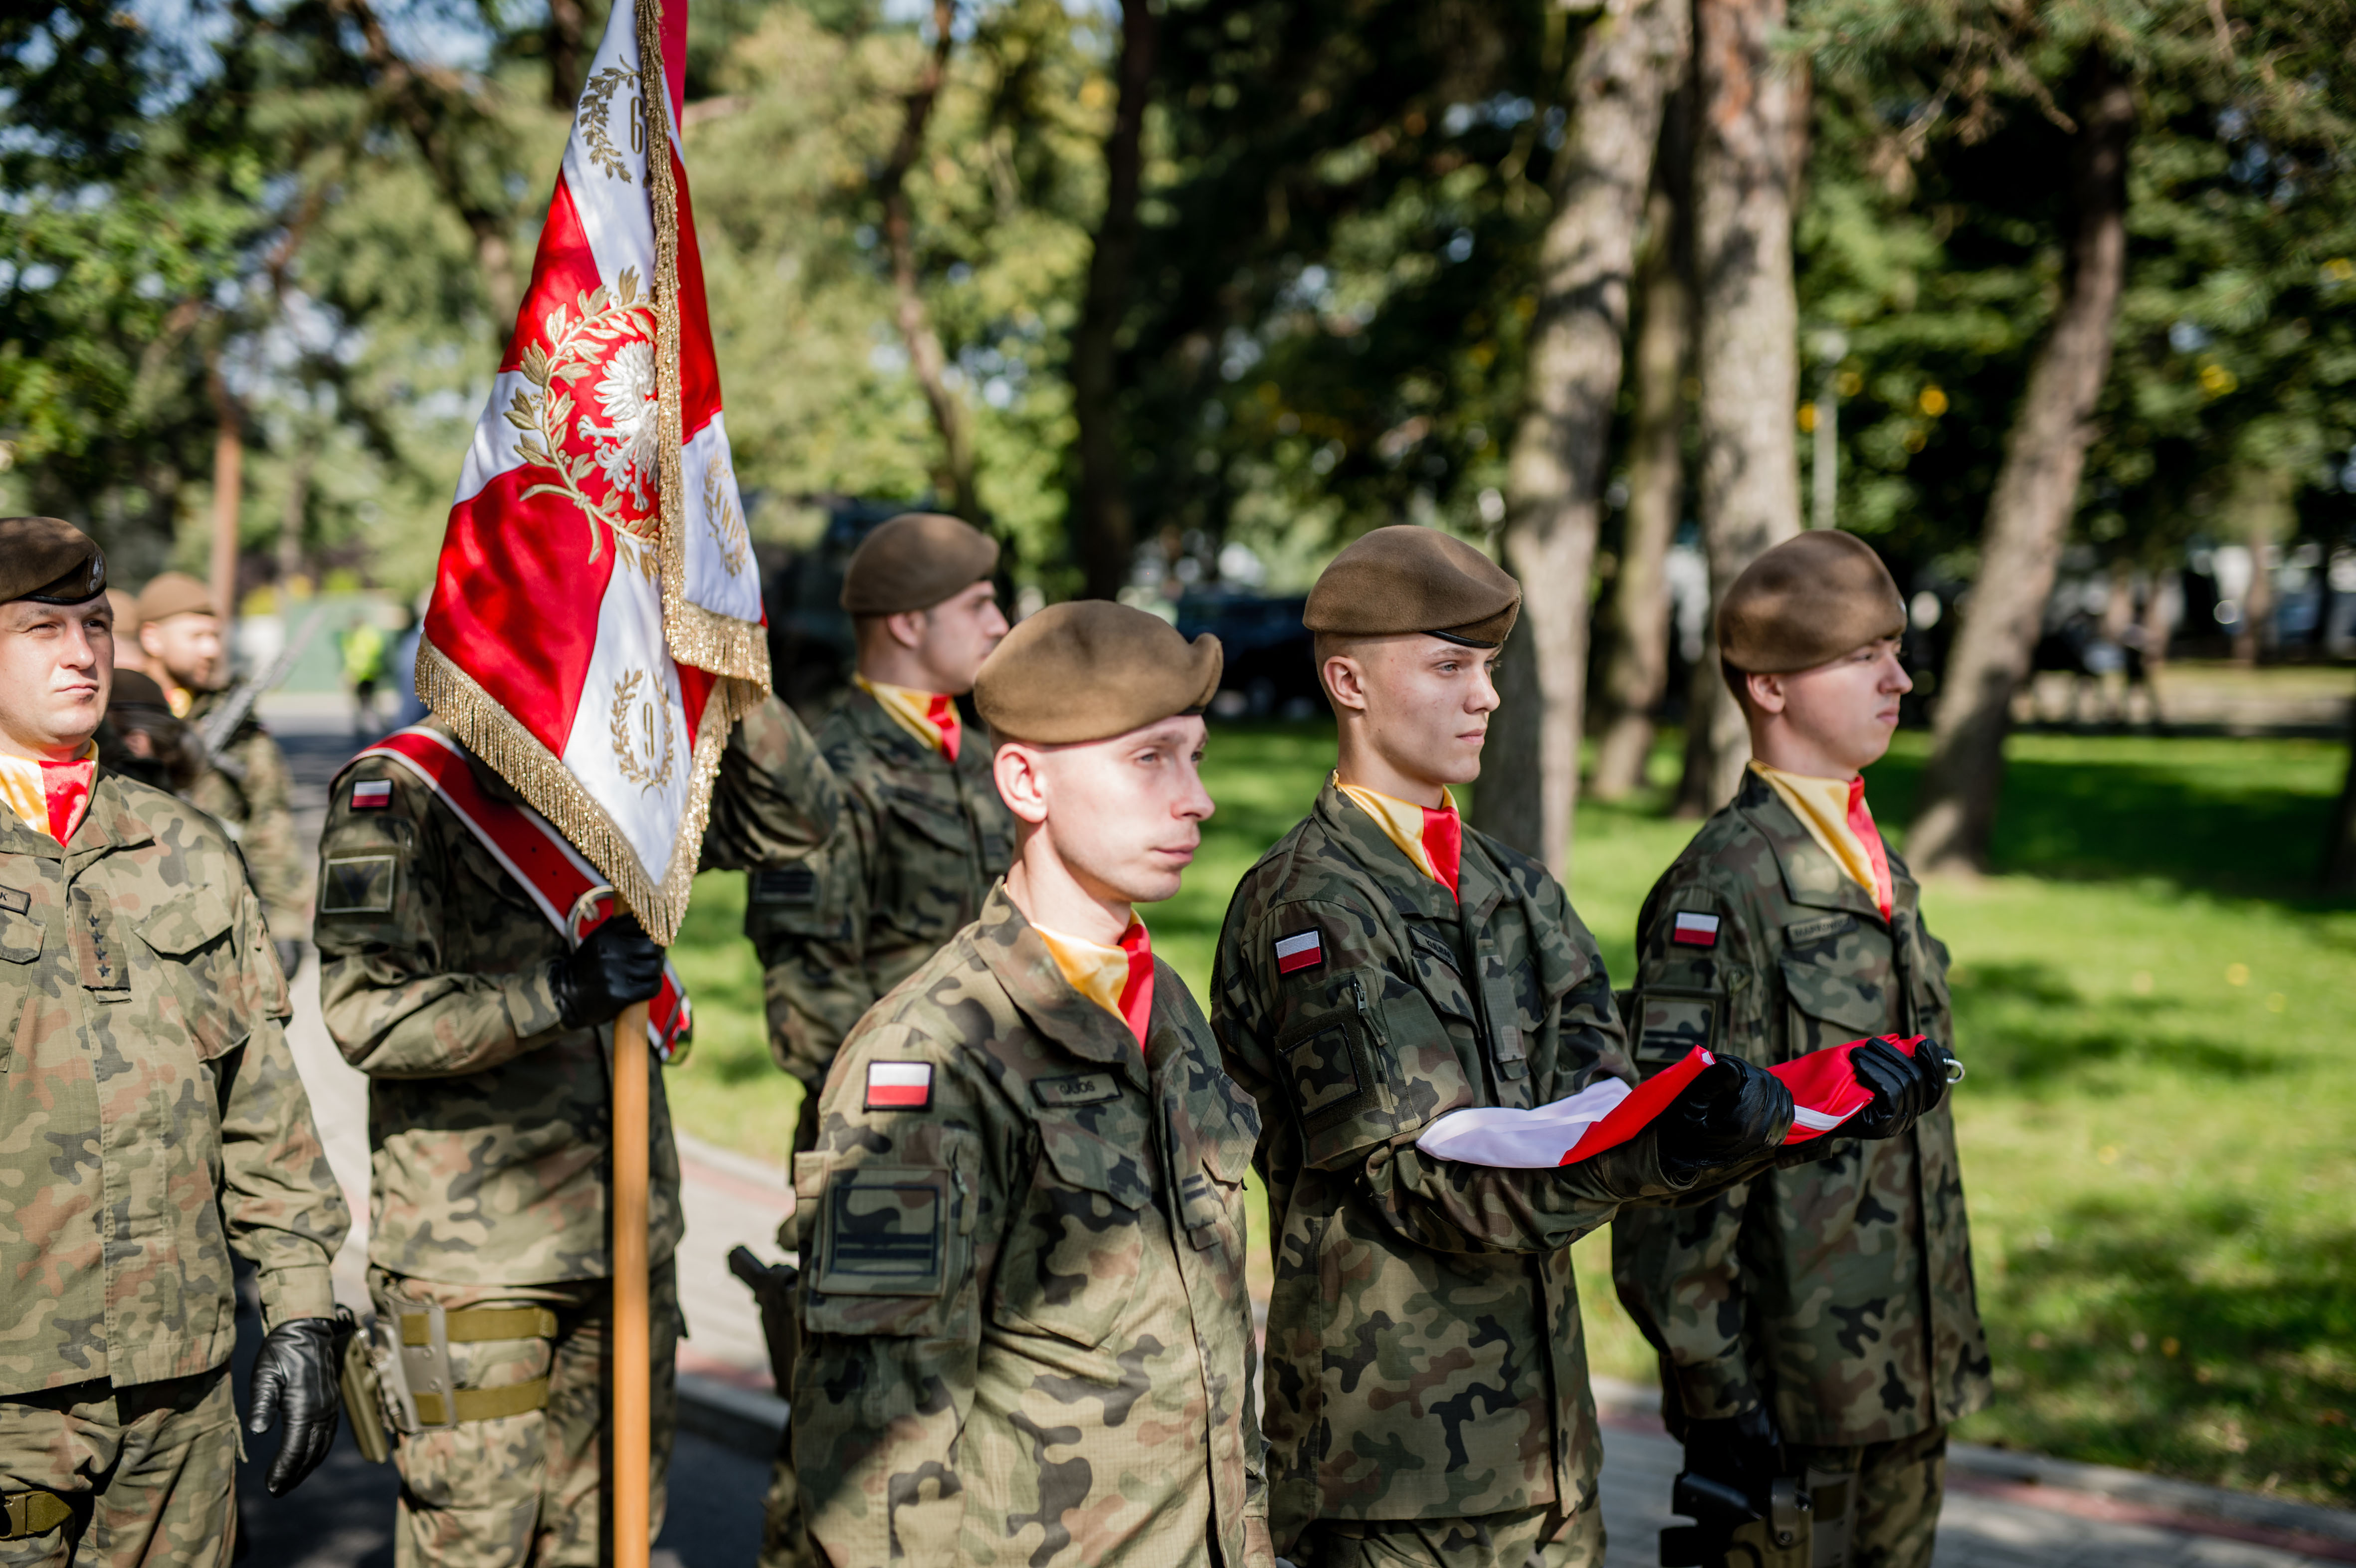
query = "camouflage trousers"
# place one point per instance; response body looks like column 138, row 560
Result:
column 528, row 1491
column 1522, row 1537
column 149, row 1471
column 1899, row 1488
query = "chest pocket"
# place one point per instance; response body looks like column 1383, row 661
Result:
column 1076, row 1244
column 1379, row 1064
column 191, row 934
column 20, row 934
column 1845, row 995
column 1211, row 1187
column 928, row 888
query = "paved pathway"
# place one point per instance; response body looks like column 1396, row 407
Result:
column 2002, row 1512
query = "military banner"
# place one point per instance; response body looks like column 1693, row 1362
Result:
column 1824, row 1093
column 595, row 627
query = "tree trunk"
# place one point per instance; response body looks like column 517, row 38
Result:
column 2036, row 492
column 1637, row 667
column 290, row 519
column 1102, row 533
column 229, row 489
column 2340, row 851
column 1746, row 340
column 925, row 358
column 1554, row 487
column 567, row 58
column 2260, row 504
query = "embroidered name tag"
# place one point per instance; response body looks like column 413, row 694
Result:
column 1080, row 1088
column 1800, row 933
column 15, row 901
column 1304, row 950
column 899, row 1086
column 371, row 794
column 1694, row 931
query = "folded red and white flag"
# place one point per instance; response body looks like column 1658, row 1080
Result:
column 597, row 625
column 1824, row 1093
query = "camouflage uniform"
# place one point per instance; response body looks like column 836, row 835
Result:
column 487, row 1134
column 247, row 789
column 920, row 842
column 150, row 1122
column 1838, row 1294
column 1026, row 1333
column 1427, row 1375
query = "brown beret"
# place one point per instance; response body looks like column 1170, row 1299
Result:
column 1090, row 670
column 1807, row 602
column 913, row 561
column 1406, row 578
column 174, row 594
column 132, row 690
column 48, row 562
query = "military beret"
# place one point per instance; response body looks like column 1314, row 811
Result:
column 48, row 562
column 175, row 593
column 1807, row 602
column 913, row 561
column 1090, row 670
column 132, row 690
column 1406, row 578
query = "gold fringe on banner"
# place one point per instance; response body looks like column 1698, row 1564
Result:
column 704, row 637
column 492, row 732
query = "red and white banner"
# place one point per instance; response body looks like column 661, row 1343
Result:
column 1824, row 1093
column 534, row 852
column 597, row 625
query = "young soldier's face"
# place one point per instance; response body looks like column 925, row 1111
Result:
column 955, row 636
column 57, row 665
column 1426, row 701
column 1846, row 710
column 188, row 647
column 1124, row 816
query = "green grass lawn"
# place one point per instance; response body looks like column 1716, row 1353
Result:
column 2160, row 1128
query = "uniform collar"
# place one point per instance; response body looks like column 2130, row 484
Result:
column 1117, row 979
column 1811, row 875
column 1010, row 948
column 1432, row 840
column 112, row 823
column 911, row 713
column 1386, row 864
column 1835, row 815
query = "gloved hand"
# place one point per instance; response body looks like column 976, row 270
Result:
column 297, row 1374
column 618, row 964
column 1904, row 1087
column 1744, row 1452
column 1731, row 1110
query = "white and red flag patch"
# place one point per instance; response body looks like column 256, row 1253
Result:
column 596, row 627
column 1693, row 931
column 1302, row 950
column 371, row 794
column 899, row 1086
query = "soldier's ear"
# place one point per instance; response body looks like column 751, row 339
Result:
column 1021, row 782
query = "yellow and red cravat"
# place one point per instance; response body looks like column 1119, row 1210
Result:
column 1434, row 840
column 930, row 716
column 1835, row 815
column 1118, row 980
column 50, row 797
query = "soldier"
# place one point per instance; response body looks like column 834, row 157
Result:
column 1383, row 966
column 484, row 1035
column 1027, row 1335
column 1819, row 1320
column 923, row 834
column 153, row 1124
column 245, row 785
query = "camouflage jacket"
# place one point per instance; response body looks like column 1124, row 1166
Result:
column 151, row 1120
column 1838, row 1292
column 251, row 798
column 1027, row 1339
column 1425, row 1358
column 921, row 839
column 487, row 1116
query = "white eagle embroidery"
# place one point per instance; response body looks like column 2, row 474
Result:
column 625, row 444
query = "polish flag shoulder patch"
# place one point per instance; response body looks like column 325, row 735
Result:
column 1693, row 931
column 1302, row 950
column 371, row 794
column 899, row 1086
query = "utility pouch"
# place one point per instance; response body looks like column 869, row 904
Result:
column 391, row 1367
column 363, row 1396
column 1833, row 1517
column 1732, row 1532
column 427, row 1383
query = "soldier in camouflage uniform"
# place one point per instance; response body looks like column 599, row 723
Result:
column 485, row 1039
column 923, row 832
column 246, row 784
column 1381, row 967
column 151, row 1124
column 1822, row 1318
column 1026, row 1333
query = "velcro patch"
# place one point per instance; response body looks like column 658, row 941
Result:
column 1800, row 933
column 15, row 901
column 1694, row 931
column 884, row 1237
column 1302, row 950
column 899, row 1086
column 785, row 885
column 1080, row 1088
column 358, row 885
column 371, row 794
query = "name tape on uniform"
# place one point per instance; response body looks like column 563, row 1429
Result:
column 1695, row 931
column 371, row 794
column 899, row 1086
column 1304, row 950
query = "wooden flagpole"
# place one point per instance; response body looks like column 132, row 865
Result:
column 630, row 1434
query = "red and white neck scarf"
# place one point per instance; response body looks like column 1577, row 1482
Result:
column 1824, row 1093
column 1434, row 840
column 1118, row 980
column 930, row 716
column 50, row 797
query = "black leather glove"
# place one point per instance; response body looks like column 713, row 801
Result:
column 1904, row 1087
column 1743, row 1453
column 297, row 1374
column 1730, row 1110
column 618, row 964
